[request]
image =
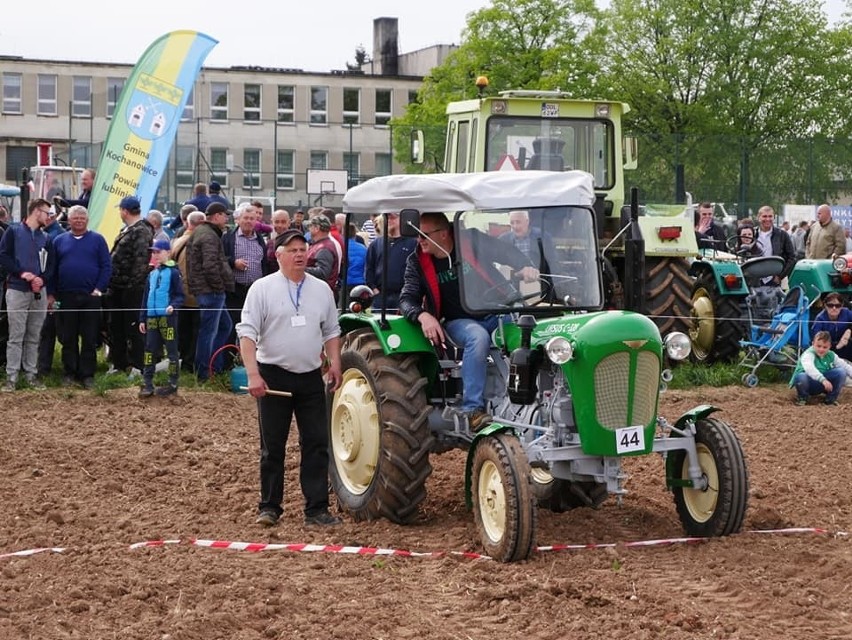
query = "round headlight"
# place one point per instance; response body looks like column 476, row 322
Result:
column 678, row 346
column 559, row 350
column 839, row 264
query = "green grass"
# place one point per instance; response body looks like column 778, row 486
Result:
column 690, row 374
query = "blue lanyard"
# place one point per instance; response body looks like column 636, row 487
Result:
column 298, row 294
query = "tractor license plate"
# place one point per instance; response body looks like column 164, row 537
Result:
column 549, row 110
column 630, row 439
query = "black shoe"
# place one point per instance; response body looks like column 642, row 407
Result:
column 88, row 383
column 322, row 519
column 146, row 392
column 267, row 518
column 68, row 381
column 168, row 390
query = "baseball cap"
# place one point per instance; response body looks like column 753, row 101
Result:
column 131, row 203
column 320, row 222
column 160, row 245
column 288, row 236
column 216, row 207
column 214, row 186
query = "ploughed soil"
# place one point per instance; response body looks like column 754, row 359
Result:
column 94, row 474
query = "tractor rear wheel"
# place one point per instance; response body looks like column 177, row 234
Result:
column 717, row 509
column 715, row 328
column 668, row 286
column 378, row 432
column 502, row 498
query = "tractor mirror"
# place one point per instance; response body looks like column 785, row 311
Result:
column 409, row 223
column 417, row 148
column 630, row 150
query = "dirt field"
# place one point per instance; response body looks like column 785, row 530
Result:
column 96, row 474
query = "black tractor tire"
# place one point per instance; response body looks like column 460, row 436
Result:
column 502, row 498
column 720, row 508
column 716, row 325
column 560, row 495
column 379, row 437
column 668, row 286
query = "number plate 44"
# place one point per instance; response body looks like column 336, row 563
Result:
column 629, row 439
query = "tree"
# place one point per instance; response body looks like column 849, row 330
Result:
column 361, row 58
column 517, row 44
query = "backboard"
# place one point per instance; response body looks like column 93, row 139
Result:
column 327, row 182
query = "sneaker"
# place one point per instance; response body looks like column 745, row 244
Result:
column 800, row 402
column 168, row 390
column 88, row 383
column 478, row 419
column 8, row 386
column 322, row 519
column 112, row 370
column 36, row 384
column 146, row 392
column 267, row 518
column 831, row 403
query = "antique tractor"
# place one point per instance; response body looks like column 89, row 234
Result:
column 573, row 390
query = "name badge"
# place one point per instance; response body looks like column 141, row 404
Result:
column 298, row 321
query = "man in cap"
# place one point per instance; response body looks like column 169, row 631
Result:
column 288, row 320
column 215, row 190
column 210, row 278
column 298, row 222
column 322, row 259
column 129, row 270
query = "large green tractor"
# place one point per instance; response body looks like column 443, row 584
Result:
column 573, row 390
column 524, row 130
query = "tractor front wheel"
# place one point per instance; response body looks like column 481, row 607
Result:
column 718, row 507
column 502, row 498
column 378, row 432
column 715, row 327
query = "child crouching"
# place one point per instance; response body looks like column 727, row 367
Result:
column 820, row 370
column 158, row 320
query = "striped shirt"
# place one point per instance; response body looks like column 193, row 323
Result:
column 248, row 249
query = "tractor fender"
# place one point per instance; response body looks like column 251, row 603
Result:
column 693, row 415
column 719, row 270
column 491, row 429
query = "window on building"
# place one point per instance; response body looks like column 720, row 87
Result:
column 286, row 103
column 383, row 164
column 219, row 166
column 251, row 174
column 189, row 107
column 352, row 164
column 218, row 100
column 383, row 106
column 351, row 106
column 46, row 95
column 285, row 170
column 12, row 93
column 185, row 165
column 319, row 105
column 81, row 97
column 114, row 89
column 319, row 159
column 251, row 103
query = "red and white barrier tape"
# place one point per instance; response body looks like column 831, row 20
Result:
column 379, row 551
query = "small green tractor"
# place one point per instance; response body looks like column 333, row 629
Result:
column 573, row 390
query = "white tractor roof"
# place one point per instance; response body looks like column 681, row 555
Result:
column 471, row 191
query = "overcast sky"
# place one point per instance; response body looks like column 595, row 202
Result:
column 313, row 36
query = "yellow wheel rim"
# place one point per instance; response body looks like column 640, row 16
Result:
column 702, row 330
column 355, row 432
column 702, row 503
column 492, row 501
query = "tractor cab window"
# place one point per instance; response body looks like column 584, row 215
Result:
column 541, row 259
column 552, row 144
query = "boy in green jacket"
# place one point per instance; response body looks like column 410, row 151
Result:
column 820, row 370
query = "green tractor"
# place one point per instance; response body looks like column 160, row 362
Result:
column 524, row 130
column 573, row 389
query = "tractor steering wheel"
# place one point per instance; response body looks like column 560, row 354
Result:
column 509, row 295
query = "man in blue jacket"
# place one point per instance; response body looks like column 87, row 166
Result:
column 83, row 271
column 26, row 254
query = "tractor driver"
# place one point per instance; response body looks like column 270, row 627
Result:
column 430, row 294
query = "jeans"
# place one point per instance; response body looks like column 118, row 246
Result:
column 474, row 336
column 26, row 316
column 274, row 415
column 213, row 330
column 807, row 386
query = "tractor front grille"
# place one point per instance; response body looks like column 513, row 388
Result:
column 613, row 386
